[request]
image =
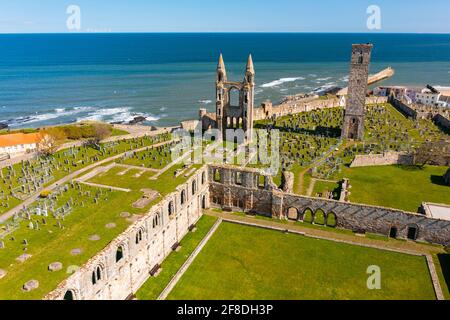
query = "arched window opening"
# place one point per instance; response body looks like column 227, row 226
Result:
column 319, row 217
column 183, row 197
column 99, row 273
column 239, row 178
column 217, row 176
column 204, row 202
column 194, row 187
column 234, row 97
column 203, row 177
column 69, row 296
column 171, row 208
column 94, row 278
column 119, row 254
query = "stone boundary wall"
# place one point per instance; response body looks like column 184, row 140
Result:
column 268, row 111
column 442, row 121
column 255, row 196
column 289, row 107
column 388, row 158
column 144, row 245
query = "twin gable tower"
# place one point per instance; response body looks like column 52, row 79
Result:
column 235, row 100
column 359, row 75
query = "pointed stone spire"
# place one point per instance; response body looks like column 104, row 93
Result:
column 250, row 68
column 221, row 71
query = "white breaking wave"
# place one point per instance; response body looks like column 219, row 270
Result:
column 35, row 118
column 280, row 82
column 204, row 101
column 123, row 114
column 324, row 79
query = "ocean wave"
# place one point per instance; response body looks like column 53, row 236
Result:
column 204, row 101
column 280, row 82
column 122, row 115
column 36, row 118
column 324, row 79
column 163, row 109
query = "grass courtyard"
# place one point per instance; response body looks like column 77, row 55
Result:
column 241, row 262
column 400, row 187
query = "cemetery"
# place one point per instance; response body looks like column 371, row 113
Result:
column 23, row 179
column 311, row 146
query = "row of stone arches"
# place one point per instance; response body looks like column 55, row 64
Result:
column 308, row 215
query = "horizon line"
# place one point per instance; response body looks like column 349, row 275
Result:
column 221, row 32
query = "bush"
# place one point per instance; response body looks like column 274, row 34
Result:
column 45, row 193
column 447, row 249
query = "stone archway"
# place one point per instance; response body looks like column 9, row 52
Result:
column 331, row 220
column 292, row 214
column 308, row 215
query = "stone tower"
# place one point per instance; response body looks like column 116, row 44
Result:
column 235, row 100
column 359, row 75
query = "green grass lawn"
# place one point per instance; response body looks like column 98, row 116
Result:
column 241, row 262
column 322, row 187
column 154, row 286
column 400, row 187
column 52, row 244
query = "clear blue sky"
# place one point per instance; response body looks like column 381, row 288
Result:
column 30, row 16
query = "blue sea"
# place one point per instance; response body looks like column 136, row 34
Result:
column 61, row 78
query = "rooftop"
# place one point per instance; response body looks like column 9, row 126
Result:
column 14, row 139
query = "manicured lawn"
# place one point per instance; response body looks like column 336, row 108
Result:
column 154, row 286
column 400, row 187
column 241, row 262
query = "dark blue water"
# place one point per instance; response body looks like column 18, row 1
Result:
column 60, row 78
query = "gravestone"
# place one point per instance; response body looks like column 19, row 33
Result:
column 55, row 266
column 31, row 285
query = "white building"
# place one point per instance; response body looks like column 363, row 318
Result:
column 16, row 144
column 427, row 97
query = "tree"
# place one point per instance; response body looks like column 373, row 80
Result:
column 434, row 153
column 100, row 131
column 51, row 139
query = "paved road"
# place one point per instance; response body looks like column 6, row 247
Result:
column 66, row 179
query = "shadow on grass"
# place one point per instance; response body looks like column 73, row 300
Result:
column 410, row 167
column 439, row 180
column 444, row 260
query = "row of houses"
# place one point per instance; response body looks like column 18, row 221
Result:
column 429, row 96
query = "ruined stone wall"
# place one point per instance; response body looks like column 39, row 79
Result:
column 289, row 107
column 388, row 158
column 239, row 189
column 145, row 244
column 442, row 121
column 447, row 177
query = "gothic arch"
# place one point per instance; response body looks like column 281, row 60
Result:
column 194, row 187
column 308, row 215
column 331, row 220
column 292, row 214
column 70, row 295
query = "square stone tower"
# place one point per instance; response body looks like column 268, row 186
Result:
column 235, row 100
column 359, row 76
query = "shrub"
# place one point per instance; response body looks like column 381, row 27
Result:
column 45, row 193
